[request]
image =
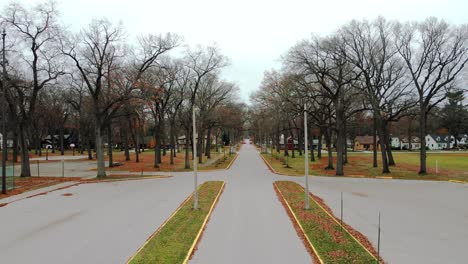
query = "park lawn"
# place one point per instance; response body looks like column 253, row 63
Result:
column 218, row 161
column 332, row 242
column 174, row 240
column 452, row 165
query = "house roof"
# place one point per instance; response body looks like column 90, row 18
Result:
column 365, row 140
column 440, row 138
column 414, row 139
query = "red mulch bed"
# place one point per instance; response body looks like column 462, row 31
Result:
column 358, row 235
column 31, row 183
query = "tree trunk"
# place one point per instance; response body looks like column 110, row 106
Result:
column 15, row 145
column 345, row 161
column 329, row 148
column 311, row 141
column 200, row 146
column 172, row 144
column 101, row 166
column 187, row 146
column 319, row 145
column 25, row 168
column 293, row 151
column 126, row 145
column 300, row 141
column 137, row 146
column 385, row 167
column 422, row 136
column 216, row 143
column 62, row 147
column 340, row 135
column 90, row 153
column 109, row 145
column 388, row 145
column 208, row 144
column 157, row 150
column 374, row 141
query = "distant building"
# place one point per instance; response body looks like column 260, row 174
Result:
column 463, row 140
column 395, row 142
column 9, row 142
column 365, row 143
column 438, row 142
column 415, row 143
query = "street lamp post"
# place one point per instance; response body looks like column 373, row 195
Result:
column 195, row 160
column 306, row 161
column 4, row 134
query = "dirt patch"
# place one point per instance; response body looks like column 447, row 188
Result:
column 67, row 194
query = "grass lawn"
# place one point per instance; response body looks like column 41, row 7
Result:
column 452, row 165
column 174, row 241
column 330, row 241
column 218, row 161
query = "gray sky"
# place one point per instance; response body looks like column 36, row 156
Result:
column 252, row 33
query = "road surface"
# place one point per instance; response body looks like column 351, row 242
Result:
column 422, row 221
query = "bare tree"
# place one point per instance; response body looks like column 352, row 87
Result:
column 371, row 49
column 435, row 54
column 38, row 63
column 92, row 50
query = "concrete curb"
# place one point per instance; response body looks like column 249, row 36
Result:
column 197, row 238
column 309, row 243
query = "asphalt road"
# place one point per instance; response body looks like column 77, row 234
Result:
column 422, row 221
column 249, row 225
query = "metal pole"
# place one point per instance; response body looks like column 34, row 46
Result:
column 437, row 167
column 63, row 167
column 195, row 161
column 4, row 131
column 306, row 160
column 37, row 168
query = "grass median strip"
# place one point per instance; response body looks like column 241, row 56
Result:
column 324, row 236
column 176, row 239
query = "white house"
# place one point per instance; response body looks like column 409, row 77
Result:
column 438, row 142
column 395, row 142
column 415, row 143
column 463, row 140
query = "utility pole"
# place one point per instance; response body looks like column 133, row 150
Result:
column 306, row 159
column 195, row 161
column 4, row 134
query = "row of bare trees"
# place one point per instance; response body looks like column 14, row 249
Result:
column 100, row 83
column 385, row 69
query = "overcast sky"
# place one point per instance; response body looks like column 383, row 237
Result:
column 252, row 33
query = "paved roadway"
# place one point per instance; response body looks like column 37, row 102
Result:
column 249, row 224
column 423, row 222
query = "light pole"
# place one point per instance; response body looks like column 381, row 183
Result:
column 4, row 134
column 195, row 160
column 306, row 161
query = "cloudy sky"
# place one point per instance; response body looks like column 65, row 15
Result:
column 252, row 33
